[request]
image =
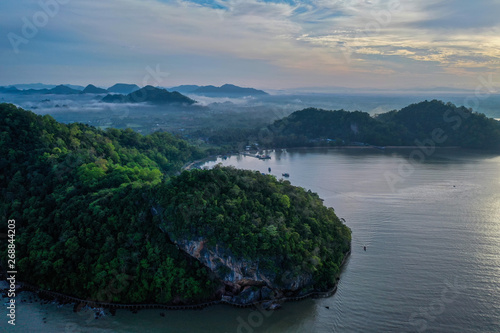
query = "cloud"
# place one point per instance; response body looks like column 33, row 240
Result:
column 460, row 14
column 315, row 41
column 383, row 29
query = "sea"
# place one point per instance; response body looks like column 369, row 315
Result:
column 431, row 228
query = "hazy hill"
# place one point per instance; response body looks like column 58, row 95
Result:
column 57, row 90
column 115, row 98
column 9, row 90
column 152, row 95
column 123, row 88
column 228, row 90
column 91, row 89
column 184, row 89
column 225, row 90
column 39, row 86
column 63, row 90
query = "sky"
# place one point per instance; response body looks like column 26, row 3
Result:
column 272, row 44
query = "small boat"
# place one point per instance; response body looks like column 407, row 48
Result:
column 285, row 174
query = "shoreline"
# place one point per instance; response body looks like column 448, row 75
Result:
column 81, row 303
column 363, row 147
column 193, row 164
column 190, row 165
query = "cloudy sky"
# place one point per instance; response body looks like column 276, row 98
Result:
column 265, row 44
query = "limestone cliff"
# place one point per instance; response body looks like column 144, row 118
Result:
column 262, row 237
column 244, row 281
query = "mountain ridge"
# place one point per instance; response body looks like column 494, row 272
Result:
column 91, row 89
column 150, row 94
column 226, row 90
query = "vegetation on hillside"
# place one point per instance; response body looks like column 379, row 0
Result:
column 258, row 218
column 428, row 120
column 80, row 198
column 452, row 125
column 85, row 203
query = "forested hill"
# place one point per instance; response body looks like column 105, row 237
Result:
column 278, row 233
column 454, row 126
column 97, row 213
column 79, row 196
column 151, row 95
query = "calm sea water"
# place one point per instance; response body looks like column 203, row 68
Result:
column 432, row 262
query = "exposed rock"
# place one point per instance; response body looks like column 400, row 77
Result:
column 266, row 305
column 222, row 262
column 249, row 295
column 249, row 282
column 232, row 288
column 266, row 293
column 274, row 306
column 220, row 292
column 244, row 282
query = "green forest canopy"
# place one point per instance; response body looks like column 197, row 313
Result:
column 83, row 202
column 258, row 218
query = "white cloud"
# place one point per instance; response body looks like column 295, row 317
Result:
column 313, row 40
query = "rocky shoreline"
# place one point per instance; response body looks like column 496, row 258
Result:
column 266, row 304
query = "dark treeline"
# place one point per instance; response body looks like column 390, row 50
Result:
column 454, row 126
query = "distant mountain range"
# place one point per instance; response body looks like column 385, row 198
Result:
column 225, row 90
column 39, row 86
column 150, row 94
column 57, row 90
column 184, row 89
column 63, row 89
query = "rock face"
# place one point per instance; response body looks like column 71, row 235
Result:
column 244, row 281
column 220, row 261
